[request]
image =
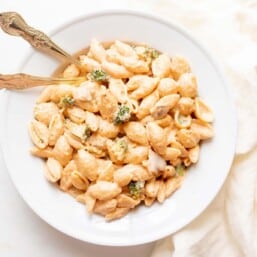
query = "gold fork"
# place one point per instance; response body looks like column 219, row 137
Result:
column 12, row 23
column 24, row 81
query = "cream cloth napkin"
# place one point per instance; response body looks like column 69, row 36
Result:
column 228, row 227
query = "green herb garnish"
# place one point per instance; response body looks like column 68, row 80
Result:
column 120, row 148
column 136, row 188
column 98, row 75
column 180, row 169
column 123, row 115
column 67, row 101
column 151, row 53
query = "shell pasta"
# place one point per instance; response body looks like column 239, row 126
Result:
column 125, row 136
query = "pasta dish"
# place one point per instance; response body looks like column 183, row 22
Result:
column 126, row 135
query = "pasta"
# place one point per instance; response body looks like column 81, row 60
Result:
column 126, row 135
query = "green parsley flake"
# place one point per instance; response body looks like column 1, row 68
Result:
column 151, row 53
column 180, row 169
column 120, row 148
column 67, row 101
column 122, row 115
column 98, row 75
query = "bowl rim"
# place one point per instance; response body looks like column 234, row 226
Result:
column 180, row 29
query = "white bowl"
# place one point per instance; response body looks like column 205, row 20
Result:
column 144, row 224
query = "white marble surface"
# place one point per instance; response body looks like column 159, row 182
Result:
column 22, row 233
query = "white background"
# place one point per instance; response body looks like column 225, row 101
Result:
column 22, row 233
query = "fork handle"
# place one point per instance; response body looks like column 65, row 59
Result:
column 13, row 24
column 24, row 81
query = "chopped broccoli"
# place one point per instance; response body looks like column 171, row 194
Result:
column 67, row 101
column 136, row 188
column 98, row 75
column 180, row 169
column 121, row 145
column 122, row 115
column 151, row 53
column 119, row 148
